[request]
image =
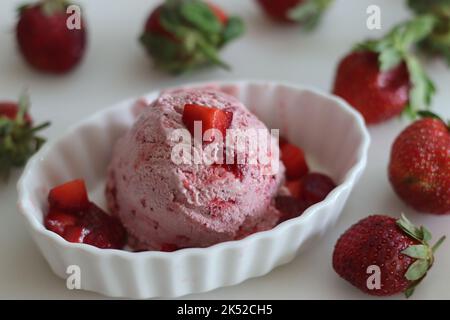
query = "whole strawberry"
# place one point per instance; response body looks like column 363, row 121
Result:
column 184, row 35
column 381, row 78
column 48, row 39
column 18, row 140
column 419, row 168
column 438, row 42
column 306, row 12
column 399, row 251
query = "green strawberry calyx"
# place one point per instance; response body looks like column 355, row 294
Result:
column 438, row 41
column 195, row 36
column 49, row 7
column 18, row 140
column 423, row 253
column 429, row 114
column 309, row 12
column 395, row 48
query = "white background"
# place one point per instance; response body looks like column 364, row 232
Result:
column 116, row 67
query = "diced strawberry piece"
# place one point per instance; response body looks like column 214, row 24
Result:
column 295, row 187
column 290, row 207
column 71, row 196
column 210, row 118
column 75, row 234
column 316, row 187
column 282, row 141
column 105, row 231
column 169, row 247
column 294, row 160
column 58, row 221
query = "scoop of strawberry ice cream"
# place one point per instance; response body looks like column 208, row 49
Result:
column 166, row 205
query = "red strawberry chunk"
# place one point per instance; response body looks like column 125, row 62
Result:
column 105, row 231
column 295, row 187
column 294, row 160
column 290, row 207
column 316, row 187
column 58, row 221
column 210, row 118
column 71, row 196
column 75, row 234
column 169, row 247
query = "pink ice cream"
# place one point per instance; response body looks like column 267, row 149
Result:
column 165, row 206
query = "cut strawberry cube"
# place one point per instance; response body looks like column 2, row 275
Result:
column 71, row 196
column 75, row 234
column 210, row 118
column 58, row 221
column 294, row 160
column 295, row 187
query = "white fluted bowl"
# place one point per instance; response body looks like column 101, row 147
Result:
column 333, row 135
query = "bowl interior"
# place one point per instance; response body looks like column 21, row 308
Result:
column 329, row 131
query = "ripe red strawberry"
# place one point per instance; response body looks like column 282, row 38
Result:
column 183, row 35
column 294, row 160
column 210, row 118
column 419, row 168
column 381, row 78
column 399, row 249
column 71, row 196
column 307, row 12
column 18, row 140
column 45, row 39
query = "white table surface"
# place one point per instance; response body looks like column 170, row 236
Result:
column 116, row 67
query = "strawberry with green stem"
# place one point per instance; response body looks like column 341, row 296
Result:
column 183, row 35
column 18, row 139
column 438, row 41
column 401, row 250
column 382, row 78
column 306, row 12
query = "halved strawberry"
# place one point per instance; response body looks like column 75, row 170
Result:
column 58, row 221
column 210, row 118
column 71, row 196
column 294, row 160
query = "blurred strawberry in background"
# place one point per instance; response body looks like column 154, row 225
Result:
column 49, row 38
column 183, row 35
column 306, row 12
column 382, row 78
column 18, row 140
